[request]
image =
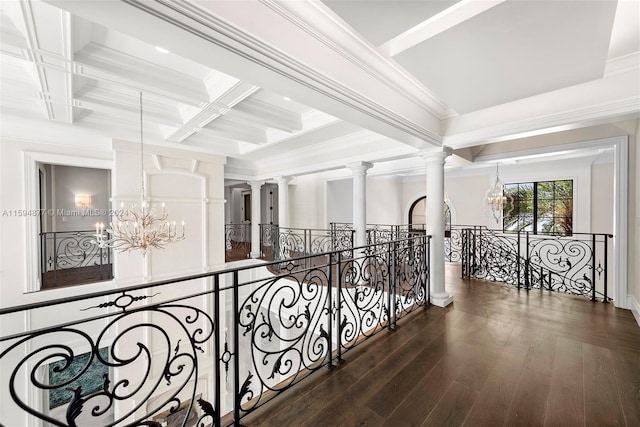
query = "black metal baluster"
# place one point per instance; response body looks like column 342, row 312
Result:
column 236, row 353
column 339, row 303
column 518, row 260
column 216, row 375
column 593, row 267
column 606, row 264
column 55, row 258
column 427, row 260
column 527, row 263
column 330, row 318
column 390, row 281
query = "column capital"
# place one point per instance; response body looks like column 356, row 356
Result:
column 255, row 185
column 436, row 155
column 359, row 168
column 282, row 180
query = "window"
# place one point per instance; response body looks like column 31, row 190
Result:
column 540, row 207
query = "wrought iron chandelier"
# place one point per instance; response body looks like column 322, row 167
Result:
column 139, row 228
column 498, row 201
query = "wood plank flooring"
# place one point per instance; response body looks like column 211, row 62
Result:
column 495, row 357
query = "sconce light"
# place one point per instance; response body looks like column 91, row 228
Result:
column 83, row 200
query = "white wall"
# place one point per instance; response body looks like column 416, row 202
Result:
column 67, row 182
column 384, row 201
column 307, row 202
column 602, row 197
column 340, row 200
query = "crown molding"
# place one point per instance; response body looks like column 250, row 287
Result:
column 333, row 32
column 566, row 120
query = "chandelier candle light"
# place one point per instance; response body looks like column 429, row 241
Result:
column 496, row 200
column 139, row 228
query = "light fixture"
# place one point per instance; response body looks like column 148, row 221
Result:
column 161, row 49
column 139, row 228
column 496, row 200
column 83, row 200
column 286, row 98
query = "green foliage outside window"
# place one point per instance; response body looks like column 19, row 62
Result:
column 540, row 207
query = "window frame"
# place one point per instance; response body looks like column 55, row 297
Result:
column 535, row 201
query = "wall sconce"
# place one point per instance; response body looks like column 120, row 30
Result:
column 83, row 200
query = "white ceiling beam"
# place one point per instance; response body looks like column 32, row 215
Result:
column 226, row 93
column 101, row 63
column 448, row 18
column 229, row 129
column 310, row 58
column 269, row 115
column 48, row 36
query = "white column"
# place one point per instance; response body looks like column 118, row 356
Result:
column 255, row 218
column 359, row 170
column 435, row 222
column 283, row 200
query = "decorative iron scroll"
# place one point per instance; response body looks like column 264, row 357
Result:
column 179, row 334
column 235, row 341
column 575, row 264
column 70, row 257
column 237, row 241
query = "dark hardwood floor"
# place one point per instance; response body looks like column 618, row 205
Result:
column 495, row 357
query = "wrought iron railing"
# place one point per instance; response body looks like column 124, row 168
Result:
column 205, row 349
column 71, row 258
column 283, row 243
column 576, row 264
column 237, row 239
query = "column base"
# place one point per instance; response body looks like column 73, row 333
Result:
column 255, row 255
column 442, row 299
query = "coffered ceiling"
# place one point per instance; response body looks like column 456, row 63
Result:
column 309, row 85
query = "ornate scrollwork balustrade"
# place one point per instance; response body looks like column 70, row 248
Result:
column 205, row 349
column 576, row 264
column 71, row 257
column 237, row 238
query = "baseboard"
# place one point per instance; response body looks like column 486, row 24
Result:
column 634, row 305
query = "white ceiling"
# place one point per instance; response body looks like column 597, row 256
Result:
column 314, row 84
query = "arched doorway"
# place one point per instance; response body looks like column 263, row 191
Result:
column 417, row 216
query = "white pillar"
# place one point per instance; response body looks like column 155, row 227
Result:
column 283, row 200
column 256, row 251
column 435, row 222
column 359, row 170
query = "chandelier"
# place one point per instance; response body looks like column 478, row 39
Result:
column 496, row 200
column 139, row 228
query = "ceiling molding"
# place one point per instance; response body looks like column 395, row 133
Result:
column 215, row 30
column 101, row 63
column 337, row 34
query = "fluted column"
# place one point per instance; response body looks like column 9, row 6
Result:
column 256, row 252
column 359, row 171
column 435, row 159
column 283, row 200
